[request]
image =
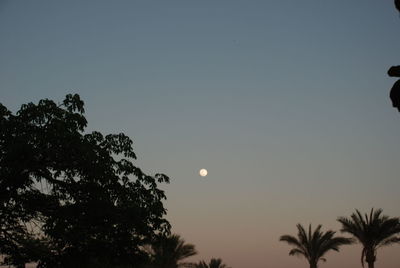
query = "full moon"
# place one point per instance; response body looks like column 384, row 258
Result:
column 203, row 172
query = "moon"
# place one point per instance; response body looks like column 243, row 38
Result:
column 203, row 172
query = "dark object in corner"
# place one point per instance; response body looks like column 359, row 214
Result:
column 394, row 71
column 397, row 4
column 395, row 95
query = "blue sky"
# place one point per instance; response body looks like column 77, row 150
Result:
column 284, row 102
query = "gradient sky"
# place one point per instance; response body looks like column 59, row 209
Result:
column 285, row 102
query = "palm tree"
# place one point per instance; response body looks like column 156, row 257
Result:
column 169, row 251
column 314, row 245
column 214, row 263
column 372, row 231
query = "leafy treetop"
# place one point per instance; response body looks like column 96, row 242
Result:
column 67, row 196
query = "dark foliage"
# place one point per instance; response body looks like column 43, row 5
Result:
column 70, row 199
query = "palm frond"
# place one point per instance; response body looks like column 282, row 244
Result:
column 362, row 256
column 216, row 263
column 303, row 238
column 334, row 243
column 297, row 252
column 390, row 241
column 291, row 240
column 354, row 226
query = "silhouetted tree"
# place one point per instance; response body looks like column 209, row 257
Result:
column 70, row 199
column 169, row 251
column 313, row 245
column 372, row 231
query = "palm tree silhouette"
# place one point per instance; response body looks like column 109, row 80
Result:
column 372, row 231
column 169, row 251
column 314, row 245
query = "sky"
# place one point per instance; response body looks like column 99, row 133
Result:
column 284, row 102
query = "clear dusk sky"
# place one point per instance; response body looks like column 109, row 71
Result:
column 285, row 102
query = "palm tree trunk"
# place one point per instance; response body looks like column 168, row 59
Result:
column 313, row 264
column 370, row 258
